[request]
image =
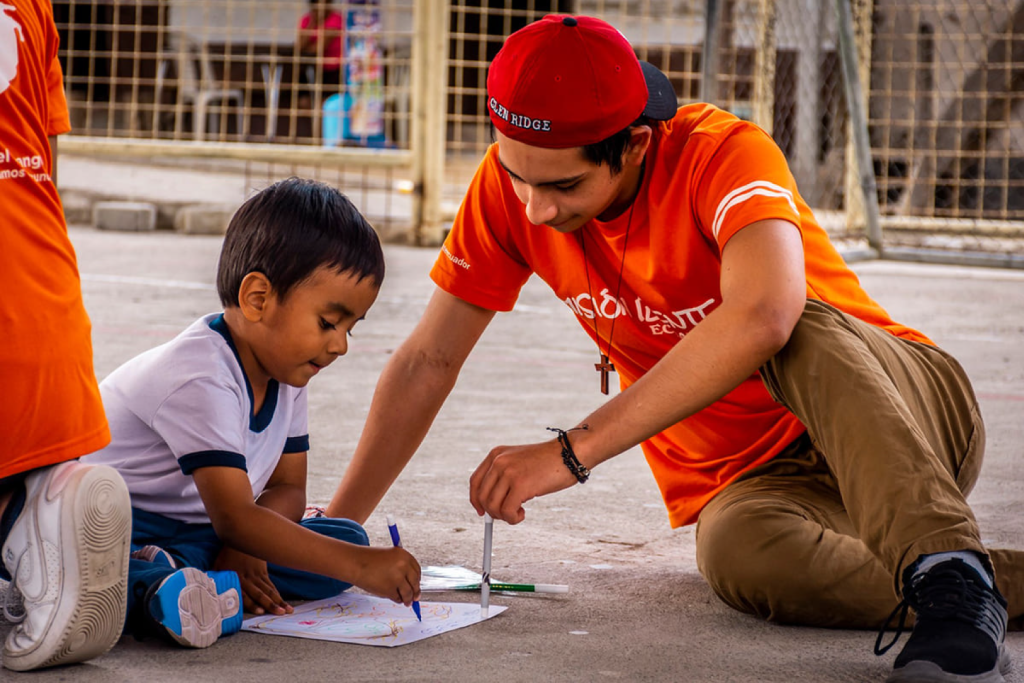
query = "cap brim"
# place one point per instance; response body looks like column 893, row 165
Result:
column 661, row 98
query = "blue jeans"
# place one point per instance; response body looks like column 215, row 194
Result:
column 197, row 545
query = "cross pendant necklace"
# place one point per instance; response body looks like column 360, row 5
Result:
column 606, row 366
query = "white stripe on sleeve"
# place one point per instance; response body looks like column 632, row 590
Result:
column 741, row 194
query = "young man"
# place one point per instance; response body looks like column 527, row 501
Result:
column 823, row 449
column 64, row 526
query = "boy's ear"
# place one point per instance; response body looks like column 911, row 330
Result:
column 253, row 295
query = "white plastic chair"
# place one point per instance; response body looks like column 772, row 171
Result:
column 200, row 89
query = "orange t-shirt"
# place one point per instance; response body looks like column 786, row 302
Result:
column 50, row 408
column 708, row 175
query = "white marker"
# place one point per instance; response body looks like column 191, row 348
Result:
column 485, row 580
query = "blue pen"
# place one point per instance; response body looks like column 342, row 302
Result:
column 393, row 528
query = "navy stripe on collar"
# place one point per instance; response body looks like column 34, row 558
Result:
column 261, row 420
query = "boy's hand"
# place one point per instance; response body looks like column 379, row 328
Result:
column 259, row 595
column 390, row 573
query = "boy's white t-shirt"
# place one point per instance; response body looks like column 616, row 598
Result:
column 187, row 404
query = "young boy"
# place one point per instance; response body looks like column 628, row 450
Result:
column 209, row 429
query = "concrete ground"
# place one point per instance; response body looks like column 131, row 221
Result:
column 638, row 609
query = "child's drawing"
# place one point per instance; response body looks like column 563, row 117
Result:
column 366, row 620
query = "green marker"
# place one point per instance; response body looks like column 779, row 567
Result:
column 518, row 587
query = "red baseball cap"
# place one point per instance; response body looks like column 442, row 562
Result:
column 566, row 81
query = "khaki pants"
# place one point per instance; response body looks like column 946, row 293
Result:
column 821, row 534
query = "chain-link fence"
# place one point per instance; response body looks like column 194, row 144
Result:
column 239, row 70
column 404, row 83
column 267, row 88
column 776, row 64
column 947, row 121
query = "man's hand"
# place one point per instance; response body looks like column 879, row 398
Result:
column 391, row 573
column 259, row 595
column 511, row 475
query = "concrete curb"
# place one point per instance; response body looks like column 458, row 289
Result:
column 124, row 216
column 189, row 218
column 203, row 219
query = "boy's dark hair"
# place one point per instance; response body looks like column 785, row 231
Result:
column 291, row 229
column 610, row 150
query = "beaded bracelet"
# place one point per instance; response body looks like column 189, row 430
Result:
column 578, row 469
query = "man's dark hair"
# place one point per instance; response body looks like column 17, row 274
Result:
column 291, row 229
column 610, row 150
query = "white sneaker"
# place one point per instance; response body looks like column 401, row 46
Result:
column 68, row 555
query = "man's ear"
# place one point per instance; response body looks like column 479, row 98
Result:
column 639, row 141
column 253, row 296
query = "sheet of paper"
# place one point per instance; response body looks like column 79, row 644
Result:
column 448, row 577
column 368, row 620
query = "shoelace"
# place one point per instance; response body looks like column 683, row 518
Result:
column 944, row 593
column 14, row 601
column 14, row 605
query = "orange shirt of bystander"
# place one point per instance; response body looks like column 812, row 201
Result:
column 50, row 408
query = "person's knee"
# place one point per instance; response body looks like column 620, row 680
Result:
column 739, row 554
column 818, row 346
column 356, row 533
column 727, row 544
column 818, row 324
column 341, row 529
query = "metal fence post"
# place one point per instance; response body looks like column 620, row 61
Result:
column 861, row 189
column 764, row 69
column 417, row 76
column 709, row 56
column 430, row 74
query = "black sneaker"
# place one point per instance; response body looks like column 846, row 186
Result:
column 959, row 630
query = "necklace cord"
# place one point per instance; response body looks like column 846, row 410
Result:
column 618, row 286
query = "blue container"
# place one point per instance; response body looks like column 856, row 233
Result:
column 333, row 123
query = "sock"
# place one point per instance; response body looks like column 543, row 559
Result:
column 14, row 507
column 971, row 559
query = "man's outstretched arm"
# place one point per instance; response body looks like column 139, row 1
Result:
column 411, row 390
column 763, row 294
